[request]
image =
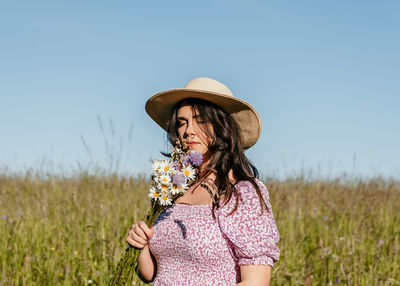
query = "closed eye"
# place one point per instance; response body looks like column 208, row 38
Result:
column 181, row 123
column 198, row 119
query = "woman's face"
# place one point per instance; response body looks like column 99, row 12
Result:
column 190, row 129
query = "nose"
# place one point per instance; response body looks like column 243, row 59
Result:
column 190, row 129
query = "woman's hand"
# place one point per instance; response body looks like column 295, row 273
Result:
column 139, row 235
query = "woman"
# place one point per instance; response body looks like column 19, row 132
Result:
column 222, row 230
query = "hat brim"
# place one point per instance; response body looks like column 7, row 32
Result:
column 161, row 105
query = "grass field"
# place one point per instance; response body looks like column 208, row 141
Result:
column 71, row 231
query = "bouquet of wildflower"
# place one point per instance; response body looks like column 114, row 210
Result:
column 171, row 179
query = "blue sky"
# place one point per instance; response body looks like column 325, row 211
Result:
column 323, row 75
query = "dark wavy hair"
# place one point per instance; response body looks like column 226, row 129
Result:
column 226, row 153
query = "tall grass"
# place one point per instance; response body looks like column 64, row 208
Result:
column 71, row 231
column 336, row 232
column 65, row 231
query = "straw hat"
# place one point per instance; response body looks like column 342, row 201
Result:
column 161, row 105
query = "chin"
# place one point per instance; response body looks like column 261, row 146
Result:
column 197, row 149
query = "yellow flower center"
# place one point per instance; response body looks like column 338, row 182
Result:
column 155, row 194
column 166, row 168
column 165, row 180
column 187, row 173
column 174, row 187
column 164, row 187
column 165, row 198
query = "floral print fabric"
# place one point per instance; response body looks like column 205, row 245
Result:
column 191, row 248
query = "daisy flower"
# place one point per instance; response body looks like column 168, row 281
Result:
column 183, row 188
column 189, row 172
column 162, row 194
column 164, row 187
column 165, row 167
column 164, row 179
column 165, row 200
column 156, row 166
column 153, row 194
column 175, row 189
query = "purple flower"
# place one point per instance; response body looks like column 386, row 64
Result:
column 196, row 158
column 178, row 179
column 4, row 217
column 325, row 218
column 185, row 159
column 336, row 280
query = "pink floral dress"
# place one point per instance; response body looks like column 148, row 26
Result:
column 193, row 249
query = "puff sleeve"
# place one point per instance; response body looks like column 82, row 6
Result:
column 253, row 236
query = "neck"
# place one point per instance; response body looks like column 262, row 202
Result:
column 206, row 161
column 213, row 176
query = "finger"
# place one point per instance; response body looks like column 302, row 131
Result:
column 134, row 226
column 134, row 237
column 138, row 223
column 133, row 243
column 145, row 229
column 137, row 238
column 139, row 231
